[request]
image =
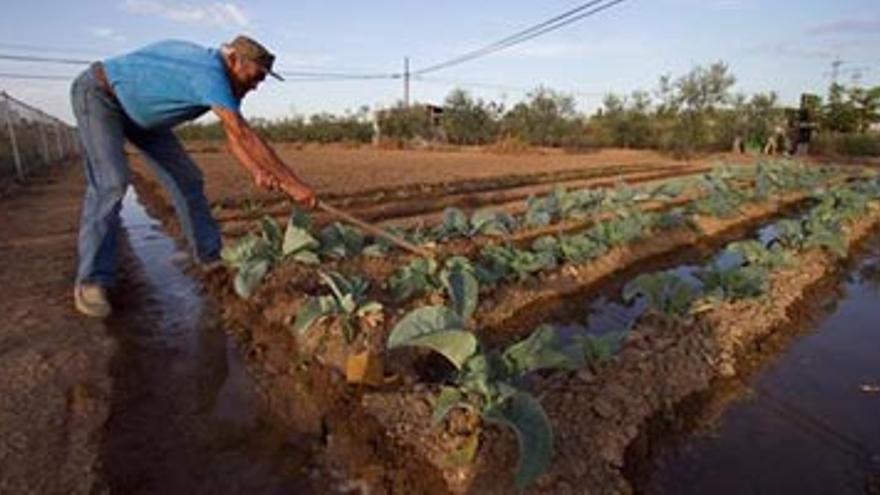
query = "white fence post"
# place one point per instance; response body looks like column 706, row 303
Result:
column 7, row 107
column 58, row 131
column 46, row 156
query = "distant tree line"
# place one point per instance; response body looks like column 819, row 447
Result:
column 696, row 112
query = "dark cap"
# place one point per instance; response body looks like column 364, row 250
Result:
column 252, row 50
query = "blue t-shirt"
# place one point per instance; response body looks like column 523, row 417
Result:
column 170, row 82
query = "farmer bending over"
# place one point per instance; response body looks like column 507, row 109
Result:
column 140, row 97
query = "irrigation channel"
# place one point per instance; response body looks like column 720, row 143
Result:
column 185, row 417
column 802, row 419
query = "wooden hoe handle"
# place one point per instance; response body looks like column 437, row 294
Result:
column 376, row 231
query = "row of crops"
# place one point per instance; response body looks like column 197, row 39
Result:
column 433, row 303
column 716, row 194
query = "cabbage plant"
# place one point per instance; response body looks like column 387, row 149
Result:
column 490, row 382
column 255, row 254
column 347, row 301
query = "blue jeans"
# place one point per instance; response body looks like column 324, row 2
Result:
column 103, row 128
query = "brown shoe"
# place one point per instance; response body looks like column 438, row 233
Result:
column 91, row 300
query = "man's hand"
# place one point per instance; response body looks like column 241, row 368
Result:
column 258, row 157
column 301, row 193
column 265, row 180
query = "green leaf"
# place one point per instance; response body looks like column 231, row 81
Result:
column 301, row 219
column 536, row 214
column 306, row 258
column 455, row 222
column 579, row 248
column 245, row 249
column 340, row 241
column 478, row 376
column 416, row 278
column 297, row 239
column 488, row 222
column 271, row 232
column 249, row 276
column 733, row 283
column 448, row 398
column 369, row 307
column 543, row 349
column 437, row 328
column 376, row 250
column 600, row 348
column 455, row 345
column 314, row 308
column 665, row 292
column 756, row 254
column 336, row 282
column 422, row 321
column 463, row 290
column 347, row 304
column 668, row 190
column 525, row 416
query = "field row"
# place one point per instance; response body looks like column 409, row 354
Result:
column 483, row 301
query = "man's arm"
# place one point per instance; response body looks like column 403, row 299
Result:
column 260, row 159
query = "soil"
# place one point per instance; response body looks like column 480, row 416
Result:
column 89, row 407
column 151, row 400
column 798, row 397
column 54, row 385
column 338, row 171
column 398, row 416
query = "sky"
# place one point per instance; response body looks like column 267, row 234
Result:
column 786, row 46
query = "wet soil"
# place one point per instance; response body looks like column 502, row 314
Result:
column 513, row 309
column 802, row 418
column 185, row 416
column 153, row 400
column 381, row 439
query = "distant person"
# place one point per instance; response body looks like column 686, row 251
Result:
column 777, row 143
column 140, row 97
column 806, row 126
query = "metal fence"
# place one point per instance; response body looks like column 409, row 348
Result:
column 31, row 139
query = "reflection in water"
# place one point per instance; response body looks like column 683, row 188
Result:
column 606, row 316
column 185, row 416
column 810, row 421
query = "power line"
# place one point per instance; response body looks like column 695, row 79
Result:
column 339, row 75
column 44, row 48
column 585, row 10
column 297, row 75
column 513, row 37
column 52, row 60
column 15, row 75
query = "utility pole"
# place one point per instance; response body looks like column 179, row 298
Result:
column 406, row 81
column 835, row 70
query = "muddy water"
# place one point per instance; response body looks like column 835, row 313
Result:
column 807, row 420
column 185, row 417
column 606, row 315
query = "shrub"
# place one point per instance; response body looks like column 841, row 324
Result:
column 866, row 144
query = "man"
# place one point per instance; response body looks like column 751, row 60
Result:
column 140, row 97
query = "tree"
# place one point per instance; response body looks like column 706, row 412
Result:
column 469, row 121
column 694, row 100
column 547, row 118
column 763, row 115
column 405, row 122
column 626, row 122
column 866, row 106
column 839, row 114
